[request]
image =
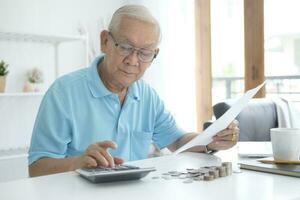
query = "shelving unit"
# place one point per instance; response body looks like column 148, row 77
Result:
column 13, row 153
column 55, row 40
column 20, row 107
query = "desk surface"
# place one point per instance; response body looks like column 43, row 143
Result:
column 244, row 185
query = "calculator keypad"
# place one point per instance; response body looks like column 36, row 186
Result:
column 111, row 169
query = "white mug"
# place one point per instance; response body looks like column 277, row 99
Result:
column 286, row 143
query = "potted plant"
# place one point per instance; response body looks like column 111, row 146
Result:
column 35, row 78
column 3, row 73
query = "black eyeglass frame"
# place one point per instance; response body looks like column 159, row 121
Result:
column 117, row 44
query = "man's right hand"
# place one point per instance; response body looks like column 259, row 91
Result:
column 97, row 155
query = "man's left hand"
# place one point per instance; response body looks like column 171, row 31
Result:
column 226, row 138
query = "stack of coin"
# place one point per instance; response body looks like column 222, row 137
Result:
column 228, row 166
column 214, row 172
column 208, row 177
column 199, row 178
column 207, row 173
column 222, row 171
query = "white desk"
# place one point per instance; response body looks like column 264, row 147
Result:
column 246, row 185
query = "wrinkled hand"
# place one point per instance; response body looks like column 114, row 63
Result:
column 226, row 138
column 97, row 155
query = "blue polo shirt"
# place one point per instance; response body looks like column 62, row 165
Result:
column 79, row 110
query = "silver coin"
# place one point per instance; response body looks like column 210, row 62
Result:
column 188, row 181
column 188, row 169
column 227, row 164
column 182, row 176
column 194, row 171
column 198, row 178
column 207, row 173
column 214, row 173
column 195, row 175
column 203, row 170
column 175, row 174
column 208, row 177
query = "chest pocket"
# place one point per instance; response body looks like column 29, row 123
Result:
column 140, row 144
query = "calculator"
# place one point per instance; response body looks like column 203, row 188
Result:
column 111, row 174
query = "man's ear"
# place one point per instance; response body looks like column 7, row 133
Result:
column 104, row 41
column 156, row 51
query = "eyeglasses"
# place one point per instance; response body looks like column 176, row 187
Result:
column 144, row 55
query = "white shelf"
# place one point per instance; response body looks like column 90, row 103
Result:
column 21, row 94
column 52, row 39
column 55, row 40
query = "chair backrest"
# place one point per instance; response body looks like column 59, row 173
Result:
column 255, row 121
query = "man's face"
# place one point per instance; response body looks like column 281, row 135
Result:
column 120, row 69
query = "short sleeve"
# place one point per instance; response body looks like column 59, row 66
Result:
column 166, row 130
column 52, row 130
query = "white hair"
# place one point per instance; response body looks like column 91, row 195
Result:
column 138, row 12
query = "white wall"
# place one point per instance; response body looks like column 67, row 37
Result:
column 172, row 74
column 49, row 17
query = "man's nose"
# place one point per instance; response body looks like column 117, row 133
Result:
column 132, row 59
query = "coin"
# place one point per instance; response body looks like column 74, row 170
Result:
column 214, row 173
column 208, row 177
column 188, row 181
column 206, row 173
column 222, row 171
column 182, row 176
column 228, row 166
column 198, row 178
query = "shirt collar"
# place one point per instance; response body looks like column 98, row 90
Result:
column 97, row 87
column 133, row 91
column 95, row 83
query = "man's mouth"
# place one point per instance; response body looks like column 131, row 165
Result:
column 128, row 73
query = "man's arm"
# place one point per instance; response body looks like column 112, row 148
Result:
column 185, row 139
column 95, row 155
column 45, row 166
column 225, row 139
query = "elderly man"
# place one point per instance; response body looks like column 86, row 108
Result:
column 104, row 114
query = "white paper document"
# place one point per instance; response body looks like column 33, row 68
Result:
column 223, row 122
